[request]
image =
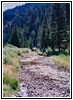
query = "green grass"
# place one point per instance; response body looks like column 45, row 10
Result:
column 10, row 63
column 13, row 82
column 10, row 79
column 62, row 60
column 11, row 53
column 8, row 91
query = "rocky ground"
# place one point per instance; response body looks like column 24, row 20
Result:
column 39, row 77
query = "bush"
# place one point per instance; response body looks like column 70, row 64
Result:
column 10, row 46
column 39, row 52
column 49, row 51
column 10, row 56
column 7, row 59
column 12, row 53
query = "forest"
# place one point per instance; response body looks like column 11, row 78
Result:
column 36, row 50
column 42, row 26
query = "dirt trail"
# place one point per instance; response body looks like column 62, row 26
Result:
column 40, row 77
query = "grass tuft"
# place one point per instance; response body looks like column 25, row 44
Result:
column 9, row 76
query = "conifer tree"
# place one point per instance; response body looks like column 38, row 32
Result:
column 58, row 26
column 40, row 29
column 21, row 37
column 9, row 32
column 67, row 7
column 53, row 26
column 62, row 28
column 17, row 37
column 32, row 36
column 45, row 35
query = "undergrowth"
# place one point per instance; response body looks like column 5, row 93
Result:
column 10, row 68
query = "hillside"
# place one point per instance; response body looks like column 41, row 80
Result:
column 29, row 15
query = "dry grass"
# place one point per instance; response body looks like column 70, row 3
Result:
column 62, row 60
column 10, row 70
column 9, row 80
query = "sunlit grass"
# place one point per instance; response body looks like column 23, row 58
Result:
column 10, row 82
column 9, row 74
column 11, row 53
column 62, row 60
column 10, row 70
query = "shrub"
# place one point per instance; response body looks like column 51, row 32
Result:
column 10, row 56
column 39, row 52
column 10, row 46
column 49, row 51
column 23, row 50
column 7, row 59
column 12, row 53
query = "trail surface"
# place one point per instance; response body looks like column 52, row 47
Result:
column 39, row 76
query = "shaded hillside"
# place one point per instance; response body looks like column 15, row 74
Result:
column 29, row 15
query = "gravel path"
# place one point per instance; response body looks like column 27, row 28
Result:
column 40, row 77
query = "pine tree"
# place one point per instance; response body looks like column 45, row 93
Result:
column 45, row 35
column 58, row 26
column 62, row 28
column 40, row 30
column 17, row 37
column 21, row 37
column 68, row 40
column 53, row 26
column 9, row 33
column 67, row 7
column 32, row 38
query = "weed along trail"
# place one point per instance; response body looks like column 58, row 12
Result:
column 39, row 76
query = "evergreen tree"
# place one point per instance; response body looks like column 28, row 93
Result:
column 9, row 32
column 45, row 35
column 62, row 28
column 21, row 37
column 68, row 40
column 67, row 7
column 17, row 37
column 32, row 38
column 40, row 30
column 58, row 26
column 53, row 27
